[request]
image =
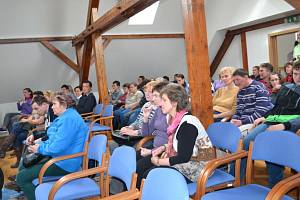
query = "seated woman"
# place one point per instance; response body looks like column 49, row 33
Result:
column 157, row 126
column 275, row 80
column 224, row 100
column 183, row 132
column 288, row 70
column 24, row 106
column 135, row 128
column 66, row 135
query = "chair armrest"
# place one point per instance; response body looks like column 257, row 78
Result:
column 143, row 141
column 73, row 176
column 128, row 195
column 284, row 186
column 92, row 116
column 211, row 166
column 54, row 160
column 86, row 114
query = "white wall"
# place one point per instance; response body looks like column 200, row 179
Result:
column 222, row 15
column 257, row 43
column 126, row 59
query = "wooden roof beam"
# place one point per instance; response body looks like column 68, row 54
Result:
column 35, row 39
column 144, row 36
column 119, row 13
column 294, row 3
column 221, row 52
column 60, row 55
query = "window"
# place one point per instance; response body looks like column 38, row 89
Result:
column 145, row 17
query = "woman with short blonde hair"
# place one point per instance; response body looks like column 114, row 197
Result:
column 224, row 100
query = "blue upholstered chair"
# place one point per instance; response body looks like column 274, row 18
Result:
column 104, row 123
column 227, row 137
column 122, row 165
column 279, row 147
column 88, row 117
column 161, row 183
column 164, row 183
column 96, row 150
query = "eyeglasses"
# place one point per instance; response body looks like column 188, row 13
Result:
column 276, row 79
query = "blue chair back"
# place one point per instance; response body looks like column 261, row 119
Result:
column 97, row 148
column 224, row 135
column 166, row 184
column 122, row 164
column 108, row 110
column 98, row 108
column 279, row 147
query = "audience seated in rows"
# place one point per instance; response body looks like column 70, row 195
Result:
column 87, row 102
column 224, row 100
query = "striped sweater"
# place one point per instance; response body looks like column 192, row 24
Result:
column 138, row 123
column 252, row 102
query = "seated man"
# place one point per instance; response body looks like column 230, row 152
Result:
column 283, row 116
column 253, row 99
column 115, row 93
column 87, row 102
column 132, row 100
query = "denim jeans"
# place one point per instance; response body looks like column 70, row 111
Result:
column 275, row 171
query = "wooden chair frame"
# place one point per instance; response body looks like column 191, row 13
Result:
column 213, row 165
column 277, row 192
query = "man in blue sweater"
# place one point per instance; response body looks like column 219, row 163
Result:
column 253, row 99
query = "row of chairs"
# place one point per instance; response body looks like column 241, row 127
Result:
column 122, row 165
column 279, row 147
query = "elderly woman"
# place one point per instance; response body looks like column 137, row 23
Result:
column 183, row 132
column 66, row 135
column 224, row 100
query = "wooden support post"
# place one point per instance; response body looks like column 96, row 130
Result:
column 99, row 63
column 79, row 56
column 60, row 55
column 244, row 51
column 197, row 60
column 87, row 49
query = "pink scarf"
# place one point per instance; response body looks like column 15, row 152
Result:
column 171, row 132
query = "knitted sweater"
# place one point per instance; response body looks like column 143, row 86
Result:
column 253, row 102
column 225, row 99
